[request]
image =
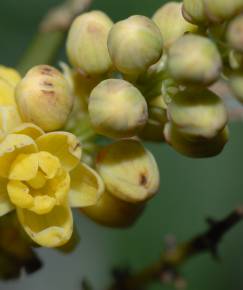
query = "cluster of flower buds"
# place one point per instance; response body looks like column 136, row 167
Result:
column 153, row 77
column 138, row 79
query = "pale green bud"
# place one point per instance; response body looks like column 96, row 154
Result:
column 117, row 109
column 234, row 33
column 44, row 98
column 114, row 212
column 221, row 10
column 135, row 44
column 129, row 171
column 171, row 23
column 195, row 148
column 194, row 59
column 194, row 11
column 236, row 85
column 87, row 43
column 198, row 113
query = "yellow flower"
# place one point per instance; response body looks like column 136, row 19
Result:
column 41, row 175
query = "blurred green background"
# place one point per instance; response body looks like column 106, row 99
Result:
column 191, row 190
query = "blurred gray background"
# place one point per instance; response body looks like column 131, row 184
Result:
column 191, row 190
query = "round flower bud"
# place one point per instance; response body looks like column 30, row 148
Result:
column 195, row 148
column 198, row 113
column 135, row 44
column 117, row 109
column 114, row 212
column 171, row 23
column 194, row 59
column 236, row 85
column 44, row 98
column 194, row 11
column 87, row 43
column 129, row 171
column 221, row 10
column 234, row 33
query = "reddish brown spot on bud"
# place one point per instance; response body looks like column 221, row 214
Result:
column 49, row 93
column 143, row 179
column 47, row 84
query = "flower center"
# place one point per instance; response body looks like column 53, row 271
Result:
column 37, row 182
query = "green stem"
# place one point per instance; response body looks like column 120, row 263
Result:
column 42, row 50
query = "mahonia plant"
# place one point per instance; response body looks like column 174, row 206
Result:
column 134, row 80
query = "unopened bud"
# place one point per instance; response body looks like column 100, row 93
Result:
column 44, row 98
column 87, row 43
column 194, row 59
column 198, row 113
column 220, row 10
column 117, row 109
column 171, row 23
column 135, row 44
column 236, row 85
column 195, row 148
column 235, row 33
column 129, row 171
column 194, row 11
column 113, row 212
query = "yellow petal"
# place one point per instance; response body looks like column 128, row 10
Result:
column 51, row 230
column 24, row 167
column 64, row 145
column 86, row 186
column 6, row 93
column 19, row 194
column 11, row 147
column 5, row 204
column 10, row 75
column 49, row 164
column 59, row 186
column 43, row 204
column 9, row 118
column 38, row 181
column 29, row 129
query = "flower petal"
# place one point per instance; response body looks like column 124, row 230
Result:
column 24, row 167
column 10, row 75
column 50, row 230
column 9, row 118
column 19, row 194
column 43, row 204
column 28, row 129
column 49, row 164
column 11, row 147
column 59, row 186
column 6, row 93
column 64, row 145
column 5, row 204
column 86, row 186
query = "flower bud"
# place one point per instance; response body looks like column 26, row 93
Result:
column 129, row 171
column 44, row 98
column 198, row 113
column 234, row 33
column 194, row 11
column 134, row 44
column 117, row 109
column 87, row 43
column 236, row 85
column 171, row 23
column 113, row 212
column 195, row 148
column 194, row 59
column 220, row 10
